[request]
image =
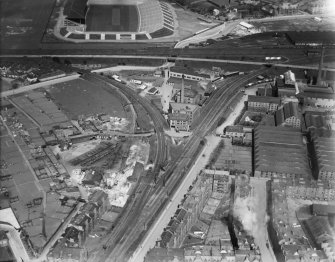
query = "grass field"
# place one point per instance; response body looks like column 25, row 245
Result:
column 80, row 97
column 23, row 22
column 112, row 18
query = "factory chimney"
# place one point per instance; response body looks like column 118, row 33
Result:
column 319, row 79
column 182, row 92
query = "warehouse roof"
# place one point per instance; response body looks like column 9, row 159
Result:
column 187, row 71
column 281, row 150
column 310, row 37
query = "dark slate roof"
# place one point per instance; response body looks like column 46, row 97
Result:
column 76, row 9
column 166, row 237
column 238, row 129
column 315, row 121
column 323, row 210
column 264, row 99
column 290, row 109
column 180, row 214
column 321, row 37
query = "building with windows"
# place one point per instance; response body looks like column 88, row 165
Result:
column 188, row 73
column 234, row 131
column 318, row 99
column 184, row 108
column 288, row 115
column 263, row 103
column 325, row 153
column 179, row 121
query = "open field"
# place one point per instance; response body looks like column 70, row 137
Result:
column 23, row 22
column 188, row 22
column 117, row 18
column 80, row 97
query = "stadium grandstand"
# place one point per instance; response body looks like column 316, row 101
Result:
column 117, row 19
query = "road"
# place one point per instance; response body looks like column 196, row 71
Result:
column 230, row 61
column 164, row 218
column 57, row 234
column 214, row 32
column 38, row 85
column 260, row 203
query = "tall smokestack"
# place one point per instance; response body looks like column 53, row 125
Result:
column 182, row 92
column 319, row 79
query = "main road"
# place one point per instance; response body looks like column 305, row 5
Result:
column 197, row 59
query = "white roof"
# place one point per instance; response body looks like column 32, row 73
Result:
column 244, row 24
column 7, row 215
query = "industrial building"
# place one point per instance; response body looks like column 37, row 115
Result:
column 325, row 154
column 280, row 152
column 288, row 115
column 312, row 38
column 263, row 103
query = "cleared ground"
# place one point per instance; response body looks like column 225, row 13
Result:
column 234, row 157
column 80, row 97
column 116, row 18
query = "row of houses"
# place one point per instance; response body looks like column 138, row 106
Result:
column 71, row 247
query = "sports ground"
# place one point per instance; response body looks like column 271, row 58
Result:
column 80, row 97
column 112, row 18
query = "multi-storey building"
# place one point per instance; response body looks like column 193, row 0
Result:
column 185, row 108
column 288, row 115
column 179, row 121
column 263, row 103
column 325, row 153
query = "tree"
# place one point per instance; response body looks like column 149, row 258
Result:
column 56, row 59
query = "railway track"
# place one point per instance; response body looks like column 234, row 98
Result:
column 176, row 170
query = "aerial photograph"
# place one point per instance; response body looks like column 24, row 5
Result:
column 167, row 131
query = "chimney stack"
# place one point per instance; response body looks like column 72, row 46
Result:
column 319, row 79
column 182, row 92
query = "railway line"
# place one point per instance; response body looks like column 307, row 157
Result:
column 143, row 190
column 176, row 172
